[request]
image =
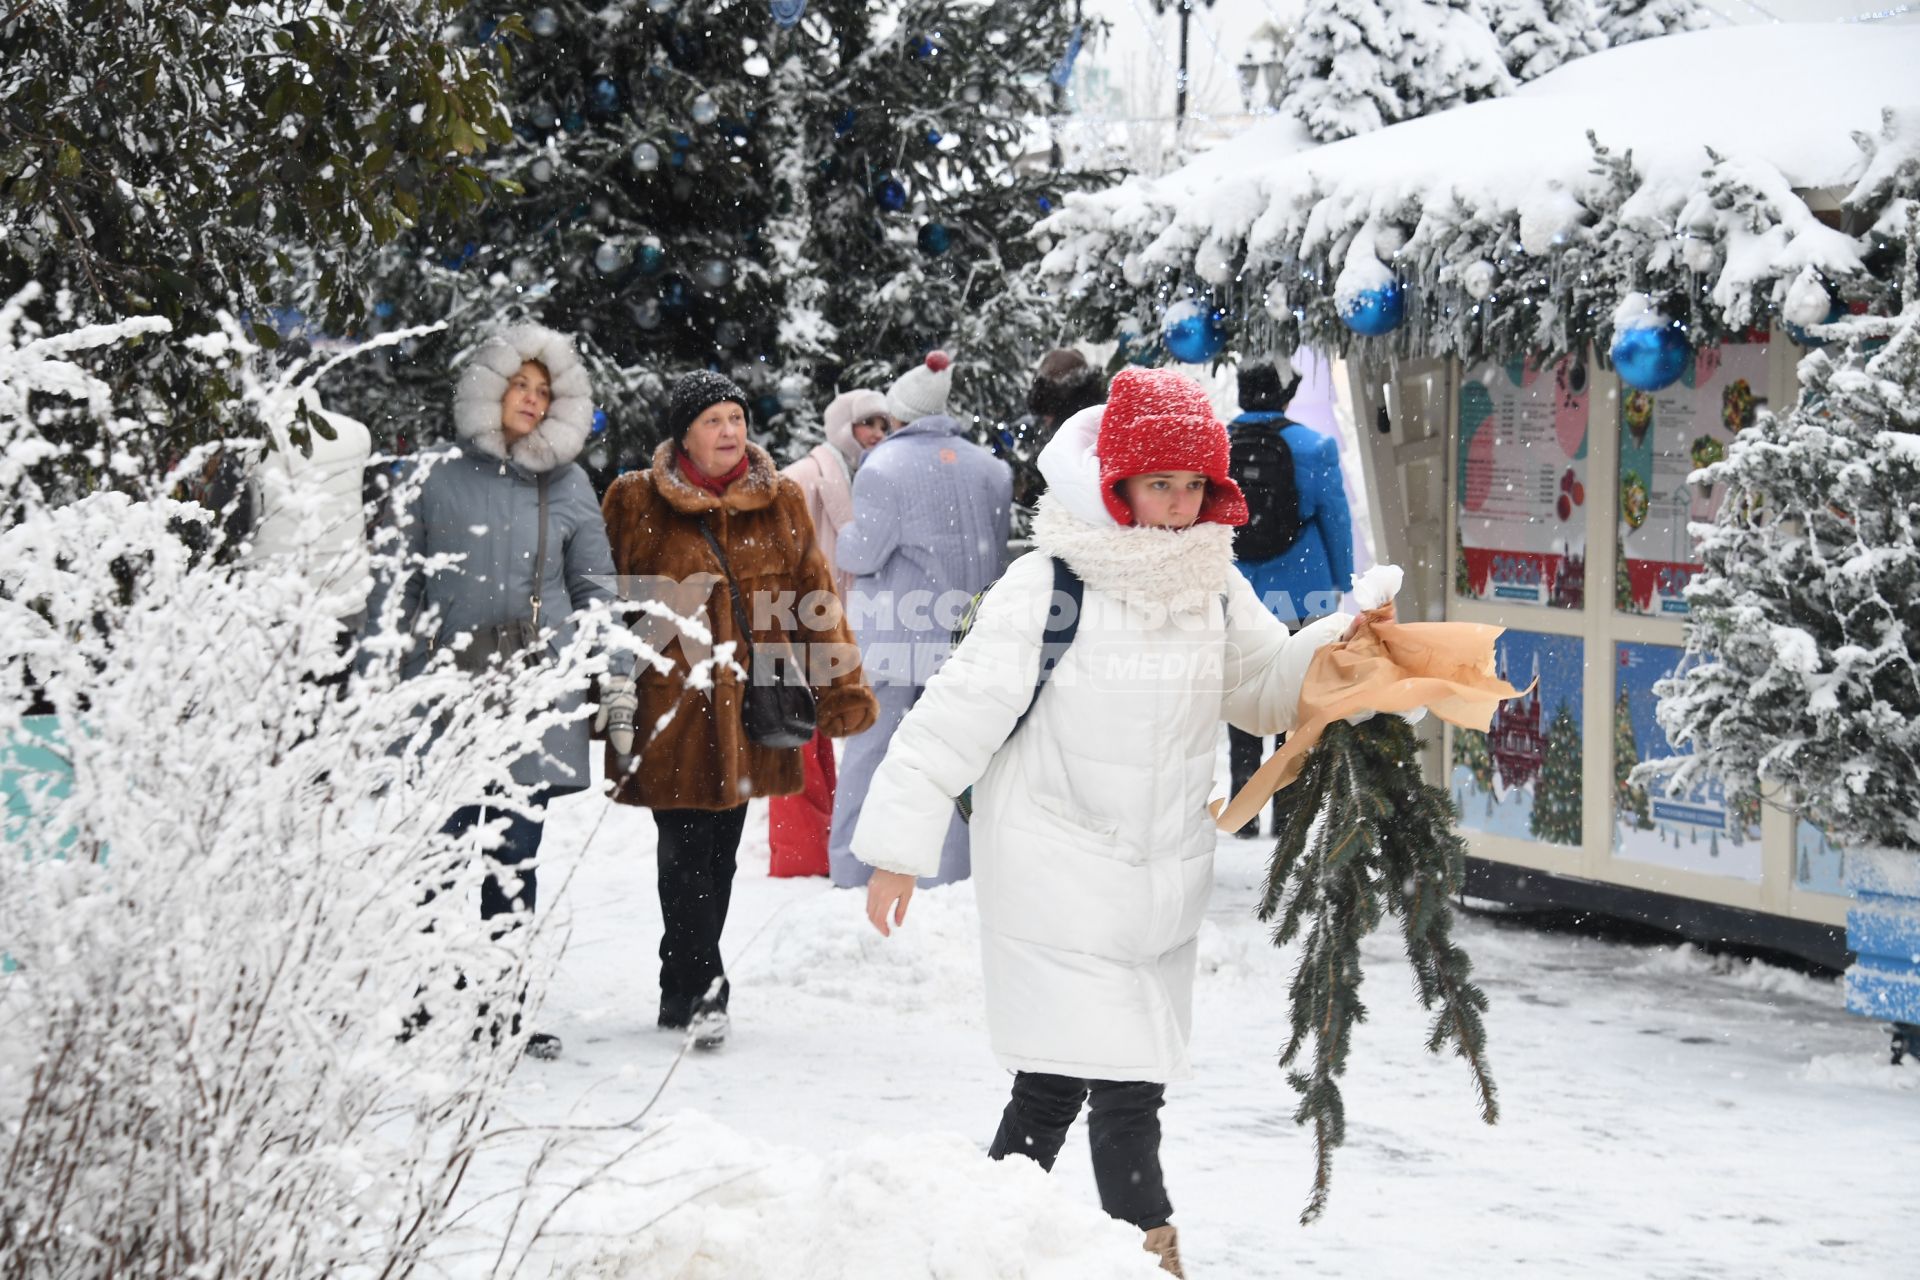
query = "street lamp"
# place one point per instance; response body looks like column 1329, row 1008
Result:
column 1262, row 62
column 1186, row 11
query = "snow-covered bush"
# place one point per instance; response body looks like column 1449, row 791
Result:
column 225, row 892
column 1801, row 667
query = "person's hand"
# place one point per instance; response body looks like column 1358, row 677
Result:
column 1383, row 614
column 888, row 892
column 619, row 701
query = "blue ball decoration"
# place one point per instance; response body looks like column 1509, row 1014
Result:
column 1193, row 334
column 935, row 239
column 673, row 294
column 922, row 48
column 768, row 407
column 599, row 421
column 844, row 125
column 651, row 258
column 1376, row 311
column 787, row 13
column 890, row 195
column 604, row 96
column 1652, row 357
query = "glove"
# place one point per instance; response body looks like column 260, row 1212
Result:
column 619, row 700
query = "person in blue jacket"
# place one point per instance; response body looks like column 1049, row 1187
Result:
column 1306, row 580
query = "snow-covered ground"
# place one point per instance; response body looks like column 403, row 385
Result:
column 1665, row 1113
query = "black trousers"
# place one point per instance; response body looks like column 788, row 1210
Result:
column 697, row 849
column 511, row 884
column 1245, row 753
column 1123, row 1127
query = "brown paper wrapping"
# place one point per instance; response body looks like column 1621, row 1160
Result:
column 1446, row 667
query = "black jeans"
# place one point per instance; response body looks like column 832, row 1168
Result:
column 1123, row 1127
column 1245, row 753
column 697, row 849
column 521, row 845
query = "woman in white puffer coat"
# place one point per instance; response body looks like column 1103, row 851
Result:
column 1093, row 845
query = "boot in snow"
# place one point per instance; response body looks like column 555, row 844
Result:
column 1164, row 1243
column 709, row 1028
column 543, row 1046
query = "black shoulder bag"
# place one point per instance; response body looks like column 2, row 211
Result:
column 775, row 713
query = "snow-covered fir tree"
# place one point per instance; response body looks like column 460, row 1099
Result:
column 804, row 208
column 1537, row 36
column 1625, row 21
column 1359, row 65
column 178, row 161
column 1801, row 670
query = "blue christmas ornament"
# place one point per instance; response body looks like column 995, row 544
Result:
column 787, row 13
column 767, row 407
column 1193, row 333
column 383, row 309
column 1651, row 357
column 676, row 159
column 1045, row 203
column 922, row 47
column 844, row 125
column 1376, row 311
column 599, row 421
column 935, row 239
column 604, row 95
column 673, row 294
column 681, row 141
column 573, row 122
column 650, row 258
column 933, row 137
column 890, row 195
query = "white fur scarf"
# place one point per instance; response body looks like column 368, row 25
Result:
column 1178, row 570
column 561, row 435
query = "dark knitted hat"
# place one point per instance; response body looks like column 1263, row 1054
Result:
column 1064, row 386
column 1261, row 390
column 695, row 393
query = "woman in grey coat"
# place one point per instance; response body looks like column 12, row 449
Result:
column 522, row 412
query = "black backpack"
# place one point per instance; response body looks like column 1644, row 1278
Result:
column 1261, row 463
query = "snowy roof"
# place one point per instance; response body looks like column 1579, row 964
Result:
column 1510, row 228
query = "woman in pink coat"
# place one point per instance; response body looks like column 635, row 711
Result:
column 857, row 420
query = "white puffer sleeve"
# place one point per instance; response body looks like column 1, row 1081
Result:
column 947, row 741
column 1265, row 664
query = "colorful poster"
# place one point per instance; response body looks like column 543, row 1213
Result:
column 1522, row 484
column 1522, row 778
column 1689, row 832
column 1819, row 865
column 1664, row 437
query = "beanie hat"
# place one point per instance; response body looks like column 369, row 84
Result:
column 1261, row 390
column 695, row 393
column 846, row 409
column 921, row 392
column 1159, row 420
column 1063, row 386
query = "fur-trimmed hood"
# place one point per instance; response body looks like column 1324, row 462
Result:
column 750, row 492
column 1178, row 570
column 561, row 435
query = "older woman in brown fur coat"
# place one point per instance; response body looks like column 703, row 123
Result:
column 699, row 769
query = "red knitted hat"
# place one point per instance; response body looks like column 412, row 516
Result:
column 1159, row 420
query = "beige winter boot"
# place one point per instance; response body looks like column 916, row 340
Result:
column 1164, row 1243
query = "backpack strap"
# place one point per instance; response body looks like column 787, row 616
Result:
column 1063, row 622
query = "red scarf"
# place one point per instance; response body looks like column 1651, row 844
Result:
column 715, row 485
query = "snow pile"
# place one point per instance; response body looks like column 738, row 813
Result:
column 1688, row 961
column 824, row 946
column 1857, row 1071
column 926, row 1204
column 1621, row 187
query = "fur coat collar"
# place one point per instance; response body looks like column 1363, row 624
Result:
column 750, row 492
column 561, row 435
column 1178, row 570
